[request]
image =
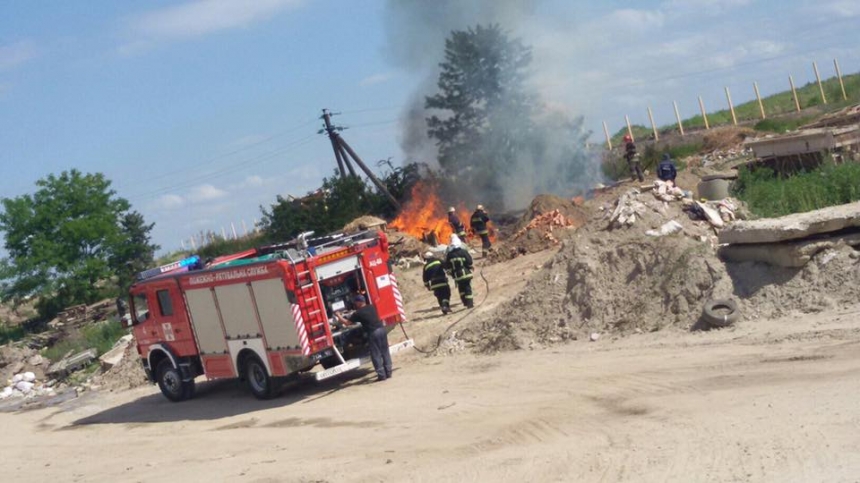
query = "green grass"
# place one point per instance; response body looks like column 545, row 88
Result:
column 774, row 106
column 781, row 125
column 768, row 195
column 100, row 336
column 10, row 333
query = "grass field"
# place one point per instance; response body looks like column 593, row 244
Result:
column 774, row 106
column 768, row 195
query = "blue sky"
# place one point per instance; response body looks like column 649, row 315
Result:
column 200, row 111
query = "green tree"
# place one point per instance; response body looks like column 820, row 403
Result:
column 488, row 109
column 339, row 201
column 66, row 240
column 136, row 253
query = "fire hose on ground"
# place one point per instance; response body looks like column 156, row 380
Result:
column 469, row 311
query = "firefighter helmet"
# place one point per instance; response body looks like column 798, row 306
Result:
column 627, row 138
column 451, row 210
column 481, row 207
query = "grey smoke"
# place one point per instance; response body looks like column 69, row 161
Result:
column 416, row 33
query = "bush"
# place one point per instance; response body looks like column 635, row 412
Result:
column 10, row 333
column 100, row 336
column 769, row 195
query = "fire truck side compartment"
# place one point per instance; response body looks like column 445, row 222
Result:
column 204, row 317
column 275, row 315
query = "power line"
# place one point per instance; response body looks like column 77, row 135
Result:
column 261, row 159
column 208, row 161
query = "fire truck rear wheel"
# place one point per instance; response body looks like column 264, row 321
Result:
column 171, row 384
column 258, row 379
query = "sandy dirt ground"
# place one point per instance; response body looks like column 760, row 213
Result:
column 768, row 400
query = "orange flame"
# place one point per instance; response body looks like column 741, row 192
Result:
column 425, row 214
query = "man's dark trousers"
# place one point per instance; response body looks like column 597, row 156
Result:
column 379, row 353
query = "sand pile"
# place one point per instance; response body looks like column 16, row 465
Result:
column 127, row 374
column 363, row 223
column 621, row 281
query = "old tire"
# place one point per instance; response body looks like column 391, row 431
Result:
column 258, row 379
column 721, row 312
column 170, row 382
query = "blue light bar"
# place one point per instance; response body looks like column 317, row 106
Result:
column 184, row 263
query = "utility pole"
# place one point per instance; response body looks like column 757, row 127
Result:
column 331, row 131
column 343, row 152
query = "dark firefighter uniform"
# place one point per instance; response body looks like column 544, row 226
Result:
column 479, row 226
column 456, row 225
column 436, row 280
column 459, row 264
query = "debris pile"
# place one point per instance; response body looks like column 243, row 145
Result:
column 25, row 385
column 617, row 279
column 543, row 226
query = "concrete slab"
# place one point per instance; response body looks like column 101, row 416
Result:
column 789, row 254
column 793, row 227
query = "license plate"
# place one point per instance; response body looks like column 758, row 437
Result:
column 345, row 367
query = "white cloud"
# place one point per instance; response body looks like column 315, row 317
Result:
column 15, row 54
column 638, row 20
column 205, row 192
column 198, row 18
column 169, row 202
column 841, row 8
column 375, row 79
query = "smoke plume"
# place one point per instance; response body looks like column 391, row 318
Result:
column 416, row 33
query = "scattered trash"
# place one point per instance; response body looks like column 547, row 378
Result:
column 667, row 229
column 594, row 336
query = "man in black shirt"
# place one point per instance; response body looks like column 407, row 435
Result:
column 376, row 334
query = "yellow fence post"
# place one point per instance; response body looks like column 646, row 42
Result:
column 704, row 113
column 731, row 107
column 794, row 93
column 608, row 139
column 678, row 117
column 820, row 85
column 758, row 96
column 653, row 126
column 629, row 129
column 839, row 75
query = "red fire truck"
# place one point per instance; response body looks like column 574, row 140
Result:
column 263, row 314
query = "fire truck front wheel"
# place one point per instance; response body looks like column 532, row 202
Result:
column 258, row 379
column 171, row 384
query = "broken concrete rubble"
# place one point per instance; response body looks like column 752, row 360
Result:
column 789, row 254
column 793, row 227
column 115, row 355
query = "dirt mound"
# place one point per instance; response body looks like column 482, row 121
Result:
column 363, row 223
column 541, row 227
column 725, row 138
column 404, row 245
column 543, row 204
column 127, row 374
column 621, row 281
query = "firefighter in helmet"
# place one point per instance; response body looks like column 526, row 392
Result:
column 632, row 158
column 479, row 225
column 459, row 264
column 456, row 225
column 436, row 279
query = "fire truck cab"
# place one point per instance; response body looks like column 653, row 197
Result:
column 263, row 314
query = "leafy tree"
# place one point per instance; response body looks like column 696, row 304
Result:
column 339, row 201
column 67, row 240
column 136, row 253
column 482, row 88
column 495, row 139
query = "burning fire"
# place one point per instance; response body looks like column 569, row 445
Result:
column 424, row 216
